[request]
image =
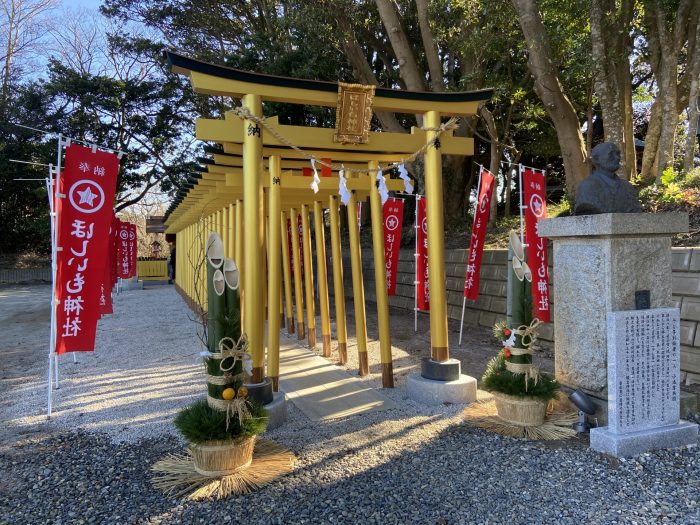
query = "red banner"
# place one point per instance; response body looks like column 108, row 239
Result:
column 534, row 202
column 476, row 244
column 110, row 270
column 393, row 221
column 114, row 253
column 89, row 181
column 106, row 296
column 423, row 286
column 123, row 257
column 133, row 249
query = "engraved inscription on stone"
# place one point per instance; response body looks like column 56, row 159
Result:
column 643, row 369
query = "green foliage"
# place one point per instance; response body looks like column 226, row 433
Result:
column 199, row 423
column 498, row 379
column 669, row 176
column 562, row 209
column 691, row 180
column 677, row 191
column 24, row 206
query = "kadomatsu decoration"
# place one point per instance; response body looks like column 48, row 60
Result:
column 521, row 392
column 225, row 457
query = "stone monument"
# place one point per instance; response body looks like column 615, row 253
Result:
column 604, row 191
column 600, row 262
column 606, row 259
column 643, row 384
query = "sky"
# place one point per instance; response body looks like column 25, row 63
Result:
column 91, row 4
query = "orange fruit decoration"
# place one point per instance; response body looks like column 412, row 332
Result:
column 228, row 394
column 243, row 392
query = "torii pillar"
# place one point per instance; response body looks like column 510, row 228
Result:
column 259, row 387
column 440, row 380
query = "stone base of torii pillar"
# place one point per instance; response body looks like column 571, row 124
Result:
column 441, row 382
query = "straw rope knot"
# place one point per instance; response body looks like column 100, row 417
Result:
column 233, row 352
column 528, row 333
column 451, row 124
column 238, row 351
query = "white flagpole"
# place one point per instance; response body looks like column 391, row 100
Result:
column 58, row 185
column 415, row 280
column 521, row 207
column 476, row 208
column 52, row 333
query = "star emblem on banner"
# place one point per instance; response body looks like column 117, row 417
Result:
column 391, row 222
column 537, row 206
column 86, row 196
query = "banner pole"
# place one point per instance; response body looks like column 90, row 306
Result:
column 461, row 322
column 57, row 184
column 50, row 190
column 476, row 207
column 520, row 206
column 415, row 280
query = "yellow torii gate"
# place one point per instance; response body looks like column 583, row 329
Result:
column 231, row 190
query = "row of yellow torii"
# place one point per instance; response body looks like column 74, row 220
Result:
column 253, row 184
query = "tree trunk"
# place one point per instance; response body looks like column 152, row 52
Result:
column 430, row 47
column 691, row 139
column 361, row 68
column 364, row 74
column 512, row 173
column 551, row 93
column 665, row 46
column 611, row 48
column 495, row 150
column 408, row 66
column 9, row 54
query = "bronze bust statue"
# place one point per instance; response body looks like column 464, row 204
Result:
column 603, row 191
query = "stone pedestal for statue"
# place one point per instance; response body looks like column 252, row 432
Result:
column 600, row 263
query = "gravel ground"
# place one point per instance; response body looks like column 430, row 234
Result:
column 144, row 369
column 413, row 464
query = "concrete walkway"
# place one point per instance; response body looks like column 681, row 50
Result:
column 322, row 390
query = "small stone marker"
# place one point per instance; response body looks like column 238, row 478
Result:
column 643, row 384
